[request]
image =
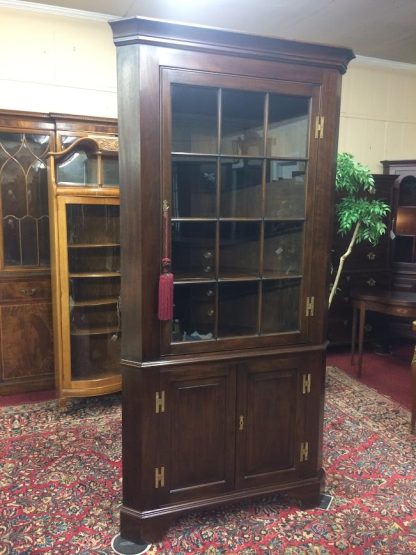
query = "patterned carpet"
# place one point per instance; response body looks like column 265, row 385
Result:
column 60, row 484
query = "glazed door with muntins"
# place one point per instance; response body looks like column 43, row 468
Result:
column 238, row 178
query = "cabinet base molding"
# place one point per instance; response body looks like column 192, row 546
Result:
column 110, row 386
column 151, row 526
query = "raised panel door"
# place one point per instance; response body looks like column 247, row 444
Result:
column 198, row 431
column 26, row 341
column 279, row 414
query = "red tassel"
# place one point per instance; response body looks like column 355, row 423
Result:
column 165, row 310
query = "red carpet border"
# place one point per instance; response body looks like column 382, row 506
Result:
column 60, row 485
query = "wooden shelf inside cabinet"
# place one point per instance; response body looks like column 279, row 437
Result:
column 85, row 228
column 95, row 331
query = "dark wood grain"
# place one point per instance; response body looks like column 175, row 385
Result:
column 243, row 415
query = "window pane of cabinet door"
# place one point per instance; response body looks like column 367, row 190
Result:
column 237, row 181
column 404, row 220
column 93, row 289
column 24, row 199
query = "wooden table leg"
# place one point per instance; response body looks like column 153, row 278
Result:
column 413, row 386
column 361, row 338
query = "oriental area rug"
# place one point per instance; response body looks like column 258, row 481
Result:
column 60, row 485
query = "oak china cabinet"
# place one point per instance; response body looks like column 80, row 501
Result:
column 227, row 158
column 85, row 233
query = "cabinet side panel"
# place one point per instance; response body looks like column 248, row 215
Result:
column 324, row 202
column 139, row 200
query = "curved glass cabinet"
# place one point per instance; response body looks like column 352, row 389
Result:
column 86, row 266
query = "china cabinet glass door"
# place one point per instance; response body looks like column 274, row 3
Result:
column 237, row 179
column 404, row 220
column 24, row 199
column 92, row 266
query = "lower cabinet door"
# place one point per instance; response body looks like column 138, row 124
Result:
column 27, row 350
column 279, row 416
column 198, row 431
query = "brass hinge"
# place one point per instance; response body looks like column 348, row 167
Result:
column 319, row 127
column 306, row 383
column 310, row 306
column 159, row 477
column 160, row 402
column 241, row 423
column 304, row 449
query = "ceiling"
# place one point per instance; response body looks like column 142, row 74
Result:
column 375, row 28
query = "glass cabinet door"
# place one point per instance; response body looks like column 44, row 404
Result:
column 237, row 181
column 404, row 220
column 92, row 289
column 24, row 199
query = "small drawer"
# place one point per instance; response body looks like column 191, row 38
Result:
column 25, row 290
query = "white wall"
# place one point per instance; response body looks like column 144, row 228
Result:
column 50, row 63
column 378, row 111
column 56, row 63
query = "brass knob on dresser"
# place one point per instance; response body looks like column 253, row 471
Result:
column 371, row 282
column 371, row 256
column 29, row 292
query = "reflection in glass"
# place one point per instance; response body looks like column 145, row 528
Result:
column 95, row 355
column 110, row 172
column 403, row 249
column 37, row 193
column 239, row 249
column 93, row 224
column 94, row 259
column 407, row 195
column 285, row 189
column 13, row 189
column 237, row 308
column 89, row 289
column 80, row 168
column 28, row 232
column 193, row 249
column 280, row 310
column 11, row 240
column 11, row 143
column 194, row 119
column 288, row 127
column 94, row 289
column 283, row 248
column 242, row 123
column 194, row 312
column 238, row 213
column 194, row 183
column 406, row 220
column 241, row 188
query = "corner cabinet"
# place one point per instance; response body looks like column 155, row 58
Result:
column 227, row 158
column 85, row 234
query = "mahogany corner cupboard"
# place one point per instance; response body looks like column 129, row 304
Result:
column 227, row 158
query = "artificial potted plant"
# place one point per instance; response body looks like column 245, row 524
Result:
column 357, row 213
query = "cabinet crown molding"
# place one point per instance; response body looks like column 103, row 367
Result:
column 138, row 30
